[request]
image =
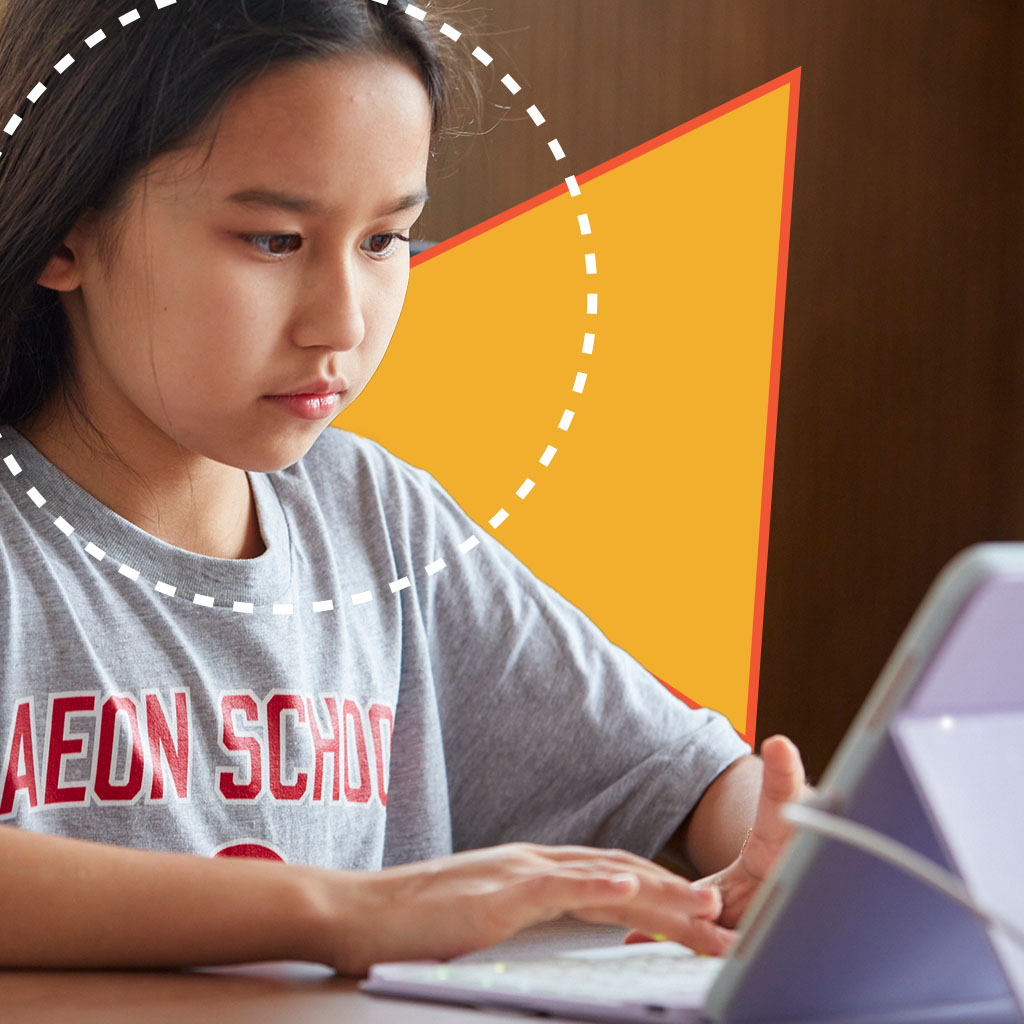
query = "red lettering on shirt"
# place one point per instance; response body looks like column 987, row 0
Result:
column 227, row 780
column 278, row 706
column 62, row 744
column 378, row 714
column 103, row 788
column 162, row 750
column 133, row 747
column 323, row 746
column 249, row 848
column 21, row 751
column 350, row 713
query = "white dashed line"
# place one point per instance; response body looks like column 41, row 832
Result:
column 590, row 259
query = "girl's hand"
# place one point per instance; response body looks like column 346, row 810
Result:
column 783, row 782
column 449, row 906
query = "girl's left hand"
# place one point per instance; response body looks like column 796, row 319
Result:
column 783, row 782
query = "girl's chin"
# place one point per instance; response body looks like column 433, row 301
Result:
column 276, row 452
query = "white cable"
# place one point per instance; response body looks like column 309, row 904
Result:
column 899, row 856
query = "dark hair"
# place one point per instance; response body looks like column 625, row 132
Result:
column 150, row 87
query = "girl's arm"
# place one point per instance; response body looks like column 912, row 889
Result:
column 73, row 903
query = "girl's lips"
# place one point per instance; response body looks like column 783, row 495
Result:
column 308, row 406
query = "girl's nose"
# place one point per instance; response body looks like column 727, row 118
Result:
column 334, row 315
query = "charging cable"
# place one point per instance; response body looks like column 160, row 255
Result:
column 899, row 856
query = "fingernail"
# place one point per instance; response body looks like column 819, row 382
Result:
column 624, row 879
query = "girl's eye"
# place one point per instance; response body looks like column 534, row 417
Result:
column 380, row 247
column 383, row 245
column 257, row 240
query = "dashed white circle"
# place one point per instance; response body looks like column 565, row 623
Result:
column 525, row 488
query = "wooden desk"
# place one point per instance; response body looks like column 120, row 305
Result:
column 254, row 994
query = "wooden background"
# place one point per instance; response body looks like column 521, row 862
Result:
column 901, row 416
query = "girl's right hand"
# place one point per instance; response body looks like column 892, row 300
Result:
column 442, row 908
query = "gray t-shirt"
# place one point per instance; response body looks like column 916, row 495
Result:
column 385, row 683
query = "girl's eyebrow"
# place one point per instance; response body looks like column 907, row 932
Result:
column 263, row 197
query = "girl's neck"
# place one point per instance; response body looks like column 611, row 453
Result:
column 188, row 501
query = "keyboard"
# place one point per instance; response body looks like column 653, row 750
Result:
column 642, row 981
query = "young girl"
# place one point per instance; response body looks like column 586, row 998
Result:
column 232, row 637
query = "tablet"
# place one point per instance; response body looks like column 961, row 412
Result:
column 934, row 759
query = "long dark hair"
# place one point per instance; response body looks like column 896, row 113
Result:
column 150, row 87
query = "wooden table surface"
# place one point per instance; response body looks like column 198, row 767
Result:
column 294, row 993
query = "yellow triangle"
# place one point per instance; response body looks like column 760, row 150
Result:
column 652, row 515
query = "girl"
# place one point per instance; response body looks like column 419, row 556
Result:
column 233, row 638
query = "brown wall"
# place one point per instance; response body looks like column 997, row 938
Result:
column 902, row 395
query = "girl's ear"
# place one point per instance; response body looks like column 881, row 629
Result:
column 62, row 273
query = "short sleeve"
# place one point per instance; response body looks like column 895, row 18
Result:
column 552, row 733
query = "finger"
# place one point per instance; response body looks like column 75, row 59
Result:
column 568, row 890
column 712, row 885
column 782, row 783
column 610, row 899
column 700, row 935
column 612, row 859
column 546, row 895
column 657, row 886
column 572, row 853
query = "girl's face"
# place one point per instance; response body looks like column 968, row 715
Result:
column 197, row 327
